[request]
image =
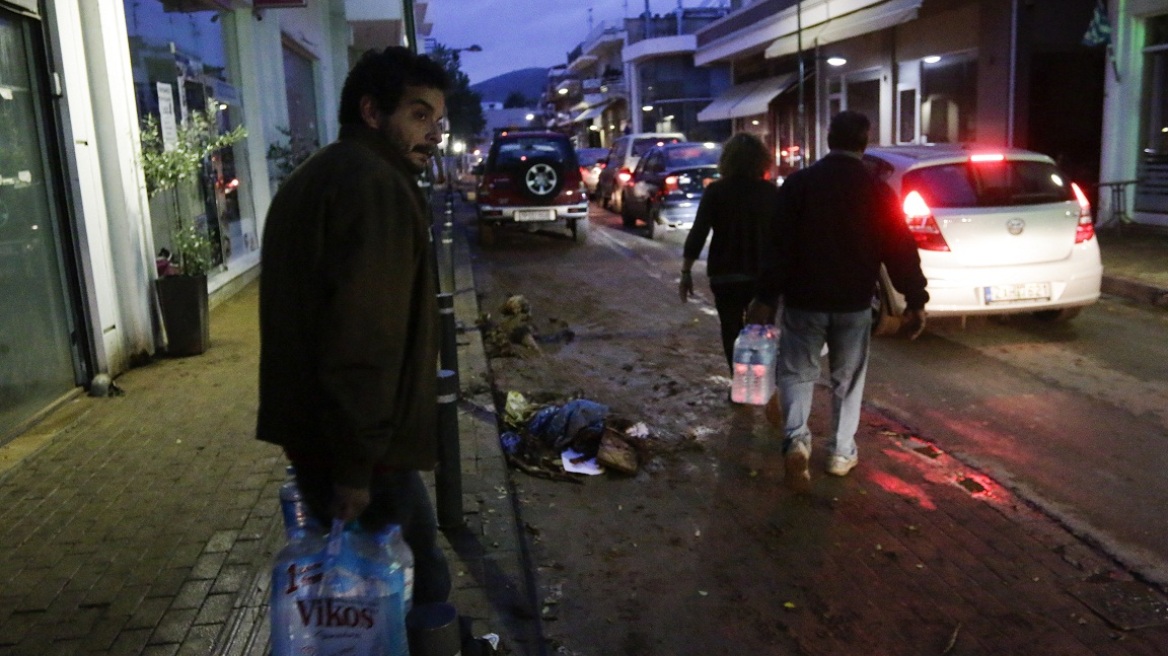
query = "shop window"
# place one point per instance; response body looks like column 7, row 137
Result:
column 1152, row 188
column 949, row 100
column 178, row 50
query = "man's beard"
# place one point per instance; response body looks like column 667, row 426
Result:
column 424, row 150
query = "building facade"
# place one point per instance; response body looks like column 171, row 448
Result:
column 1005, row 72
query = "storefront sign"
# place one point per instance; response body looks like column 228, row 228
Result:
column 166, row 116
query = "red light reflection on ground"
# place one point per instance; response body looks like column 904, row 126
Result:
column 899, row 486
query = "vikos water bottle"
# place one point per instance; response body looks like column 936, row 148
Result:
column 404, row 555
column 343, row 595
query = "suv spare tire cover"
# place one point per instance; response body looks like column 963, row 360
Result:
column 542, row 179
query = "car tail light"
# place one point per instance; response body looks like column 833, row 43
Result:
column 670, row 185
column 624, row 175
column 987, row 157
column 921, row 223
column 1086, row 228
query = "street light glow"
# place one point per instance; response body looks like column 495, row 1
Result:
column 647, row 108
column 836, row 61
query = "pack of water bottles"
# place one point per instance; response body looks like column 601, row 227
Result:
column 340, row 592
column 755, row 351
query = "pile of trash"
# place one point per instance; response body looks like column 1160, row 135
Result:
column 514, row 333
column 559, row 441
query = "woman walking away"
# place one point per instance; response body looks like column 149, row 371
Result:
column 736, row 208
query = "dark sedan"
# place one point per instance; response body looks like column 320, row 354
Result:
column 667, row 186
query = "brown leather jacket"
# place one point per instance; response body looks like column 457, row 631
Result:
column 349, row 324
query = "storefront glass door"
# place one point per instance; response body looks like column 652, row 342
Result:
column 36, row 358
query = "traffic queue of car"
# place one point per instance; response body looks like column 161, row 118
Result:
column 999, row 231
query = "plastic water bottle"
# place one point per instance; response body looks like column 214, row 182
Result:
column 764, row 370
column 298, row 568
column 741, row 384
column 292, row 505
column 404, row 555
column 387, row 569
column 755, row 351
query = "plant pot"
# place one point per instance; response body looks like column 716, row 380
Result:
column 185, row 315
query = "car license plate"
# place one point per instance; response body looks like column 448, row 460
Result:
column 535, row 215
column 1030, row 291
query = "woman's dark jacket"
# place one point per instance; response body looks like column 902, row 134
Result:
column 349, row 321
column 735, row 209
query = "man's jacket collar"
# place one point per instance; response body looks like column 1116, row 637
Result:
column 374, row 140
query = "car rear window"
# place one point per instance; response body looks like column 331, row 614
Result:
column 692, row 156
column 590, row 156
column 642, row 146
column 989, row 184
column 514, row 152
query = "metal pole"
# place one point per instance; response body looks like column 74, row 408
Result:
column 410, row 25
column 447, row 236
column 802, row 119
column 448, row 475
column 449, row 351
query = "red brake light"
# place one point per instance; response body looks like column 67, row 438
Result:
column 987, row 157
column 921, row 223
column 670, row 184
column 624, row 176
column 1085, row 230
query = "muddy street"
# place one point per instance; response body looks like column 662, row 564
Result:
column 704, row 550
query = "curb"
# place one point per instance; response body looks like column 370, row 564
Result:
column 1135, row 290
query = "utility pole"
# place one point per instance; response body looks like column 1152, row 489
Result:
column 802, row 120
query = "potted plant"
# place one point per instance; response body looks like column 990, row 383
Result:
column 182, row 291
column 182, row 269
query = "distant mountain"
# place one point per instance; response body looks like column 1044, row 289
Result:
column 530, row 82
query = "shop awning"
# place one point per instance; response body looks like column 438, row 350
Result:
column 747, row 99
column 592, row 112
column 857, row 23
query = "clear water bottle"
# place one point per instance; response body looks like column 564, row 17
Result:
column 292, row 505
column 337, row 595
column 742, row 383
column 296, row 574
column 387, row 568
column 404, row 555
column 767, row 349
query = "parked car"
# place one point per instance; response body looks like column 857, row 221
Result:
column 668, row 184
column 999, row 231
column 622, row 158
column 533, row 179
column 591, row 164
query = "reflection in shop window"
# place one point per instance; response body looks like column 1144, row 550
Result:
column 183, row 45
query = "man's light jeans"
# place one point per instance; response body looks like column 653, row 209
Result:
column 801, row 341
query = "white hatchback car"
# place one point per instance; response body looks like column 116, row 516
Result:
column 999, row 231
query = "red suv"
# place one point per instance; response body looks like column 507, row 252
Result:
column 532, row 178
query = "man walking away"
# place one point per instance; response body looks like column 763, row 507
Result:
column 836, row 224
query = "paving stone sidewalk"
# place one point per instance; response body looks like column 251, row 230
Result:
column 146, row 522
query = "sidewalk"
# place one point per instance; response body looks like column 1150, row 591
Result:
column 1135, row 263
column 145, row 523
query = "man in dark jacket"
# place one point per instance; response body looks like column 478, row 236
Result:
column 836, row 224
column 349, row 322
